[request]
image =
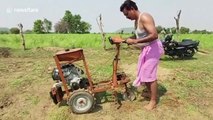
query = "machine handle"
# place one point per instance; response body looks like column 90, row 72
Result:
column 112, row 42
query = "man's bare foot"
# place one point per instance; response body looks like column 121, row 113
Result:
column 152, row 104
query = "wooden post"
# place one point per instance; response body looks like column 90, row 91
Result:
column 177, row 20
column 22, row 35
column 100, row 24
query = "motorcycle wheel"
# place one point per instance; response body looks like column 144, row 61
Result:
column 189, row 53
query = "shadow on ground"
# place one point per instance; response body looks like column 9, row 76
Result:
column 175, row 59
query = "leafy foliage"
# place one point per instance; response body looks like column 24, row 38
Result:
column 28, row 31
column 14, row 30
column 74, row 23
column 38, row 27
column 47, row 25
column 184, row 30
column 201, row 32
column 42, row 26
column 4, row 30
column 61, row 27
column 84, row 27
column 159, row 29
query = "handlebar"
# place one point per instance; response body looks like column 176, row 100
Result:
column 112, row 42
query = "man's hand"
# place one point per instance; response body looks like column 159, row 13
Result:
column 131, row 41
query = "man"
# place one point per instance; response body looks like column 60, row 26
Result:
column 151, row 50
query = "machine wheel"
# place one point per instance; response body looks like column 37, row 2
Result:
column 129, row 95
column 54, row 98
column 81, row 102
column 189, row 52
column 56, row 94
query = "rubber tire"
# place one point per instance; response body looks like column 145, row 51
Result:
column 79, row 96
column 53, row 97
column 189, row 53
column 129, row 95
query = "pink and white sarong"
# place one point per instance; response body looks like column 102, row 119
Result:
column 148, row 63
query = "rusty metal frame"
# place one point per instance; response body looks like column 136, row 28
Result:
column 77, row 55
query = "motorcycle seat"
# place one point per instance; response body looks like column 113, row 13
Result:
column 187, row 42
column 179, row 48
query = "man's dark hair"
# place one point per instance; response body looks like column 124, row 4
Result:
column 128, row 5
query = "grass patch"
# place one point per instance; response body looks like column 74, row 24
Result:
column 60, row 113
column 33, row 99
column 16, row 82
column 83, row 40
column 193, row 83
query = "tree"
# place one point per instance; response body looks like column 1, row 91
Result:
column 47, row 25
column 4, row 32
column 61, row 27
column 68, row 18
column 184, row 30
column 28, row 31
column 122, row 32
column 201, row 32
column 14, row 30
column 75, row 24
column 103, row 35
column 204, row 32
column 167, row 30
column 38, row 27
column 159, row 29
column 173, row 30
column 84, row 27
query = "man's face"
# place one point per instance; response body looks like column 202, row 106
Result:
column 128, row 13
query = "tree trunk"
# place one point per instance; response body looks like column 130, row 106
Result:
column 177, row 20
column 22, row 35
column 100, row 24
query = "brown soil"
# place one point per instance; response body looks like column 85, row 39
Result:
column 4, row 52
column 26, row 82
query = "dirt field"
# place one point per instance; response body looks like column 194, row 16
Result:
column 25, row 83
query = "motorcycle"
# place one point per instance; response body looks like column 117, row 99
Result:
column 184, row 49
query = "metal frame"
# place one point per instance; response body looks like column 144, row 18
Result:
column 74, row 55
